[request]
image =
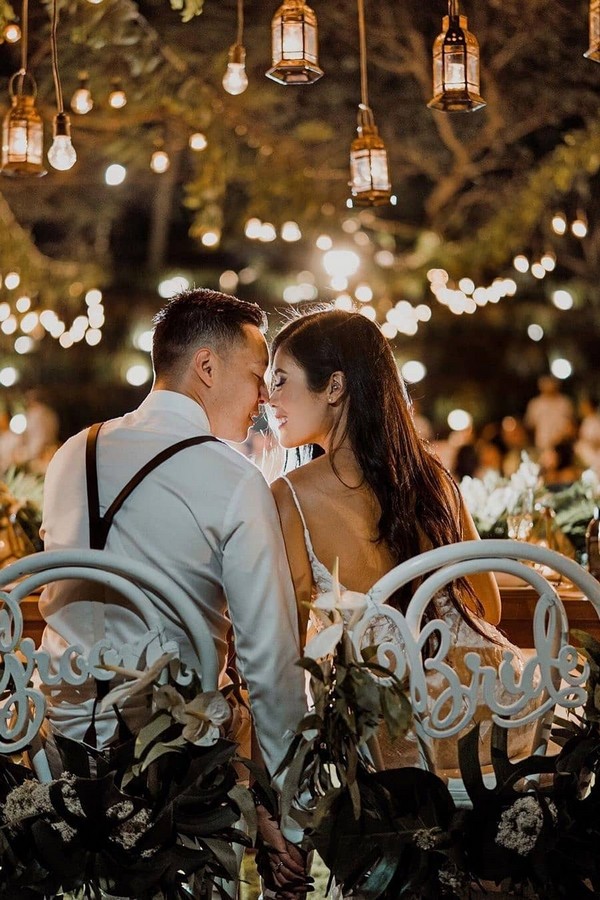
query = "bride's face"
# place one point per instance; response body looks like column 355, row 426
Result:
column 301, row 416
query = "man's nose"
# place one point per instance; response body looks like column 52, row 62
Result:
column 263, row 393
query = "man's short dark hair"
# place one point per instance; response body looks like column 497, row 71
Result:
column 198, row 316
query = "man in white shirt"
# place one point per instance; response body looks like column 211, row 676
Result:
column 205, row 517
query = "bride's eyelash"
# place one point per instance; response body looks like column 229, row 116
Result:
column 277, row 384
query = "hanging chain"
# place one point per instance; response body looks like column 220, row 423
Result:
column 364, row 90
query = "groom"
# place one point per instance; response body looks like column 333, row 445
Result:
column 204, row 517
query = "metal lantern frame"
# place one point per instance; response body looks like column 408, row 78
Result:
column 369, row 172
column 594, row 49
column 294, row 48
column 22, row 130
column 456, row 50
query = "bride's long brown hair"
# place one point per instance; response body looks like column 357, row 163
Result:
column 418, row 498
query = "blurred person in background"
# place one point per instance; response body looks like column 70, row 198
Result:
column 587, row 447
column 550, row 415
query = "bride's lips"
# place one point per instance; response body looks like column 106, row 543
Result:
column 281, row 421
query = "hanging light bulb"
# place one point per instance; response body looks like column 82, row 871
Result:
column 22, row 129
column 235, row 80
column 294, row 44
column 369, row 177
column 593, row 52
column 61, row 155
column 82, row 100
column 117, row 97
column 160, row 161
column 12, row 33
column 455, row 65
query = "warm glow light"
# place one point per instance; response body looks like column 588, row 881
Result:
column 228, row 280
column 521, row 263
column 198, row 141
column 467, row 285
column 12, row 33
column 413, row 371
column 93, row 336
column 561, row 368
column 535, row 332
column 559, row 223
column 171, row 286
column 235, row 80
column 562, row 299
column 62, row 155
column 344, row 301
column 93, row 297
column 144, row 340
column 82, row 101
column 160, row 162
column 290, row 231
column 23, row 344
column 211, row 238
column 65, row 340
column 579, row 228
column 459, row 419
column 29, row 322
column 363, row 293
column 389, row 331
column 341, row 263
column 12, row 281
column 548, row 261
column 138, row 374
column 117, row 98
column 268, row 232
column 324, row 242
column 4, row 311
column 9, row 326
column 18, row 424
column 538, row 270
column 115, row 174
column 23, row 303
column 8, row 376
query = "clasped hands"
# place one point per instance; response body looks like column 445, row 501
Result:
column 281, row 864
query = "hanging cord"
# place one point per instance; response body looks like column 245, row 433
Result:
column 24, row 41
column 53, row 43
column 364, row 91
column 452, row 9
column 240, row 23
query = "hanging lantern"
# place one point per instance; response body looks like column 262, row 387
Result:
column 294, row 44
column 369, row 176
column 594, row 49
column 22, row 131
column 455, row 66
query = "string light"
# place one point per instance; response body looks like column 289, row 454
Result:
column 294, row 50
column 235, row 80
column 455, row 65
column 369, row 177
column 61, row 155
column 117, row 97
column 12, row 33
column 22, row 129
column 82, row 100
column 160, row 161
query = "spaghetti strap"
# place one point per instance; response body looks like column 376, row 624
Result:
column 297, row 503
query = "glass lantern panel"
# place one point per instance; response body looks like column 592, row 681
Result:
column 310, row 42
column 437, row 73
column 17, row 141
column 360, row 170
column 293, row 41
column 454, row 69
column 379, row 170
column 276, row 45
column 594, row 23
column 473, row 71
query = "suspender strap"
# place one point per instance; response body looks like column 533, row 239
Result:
column 100, row 525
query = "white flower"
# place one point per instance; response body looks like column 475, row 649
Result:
column 527, row 475
column 203, row 717
column 140, row 683
column 344, row 608
column 520, row 825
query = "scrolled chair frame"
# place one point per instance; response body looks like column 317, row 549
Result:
column 553, row 676
column 22, row 704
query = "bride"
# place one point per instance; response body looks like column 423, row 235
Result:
column 377, row 496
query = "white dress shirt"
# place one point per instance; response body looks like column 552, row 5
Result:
column 206, row 518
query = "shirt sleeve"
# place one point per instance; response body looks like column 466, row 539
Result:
column 262, row 608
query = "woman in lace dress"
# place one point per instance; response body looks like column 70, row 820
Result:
column 378, row 495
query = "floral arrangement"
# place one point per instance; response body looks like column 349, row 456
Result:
column 21, row 496
column 398, row 833
column 491, row 498
column 151, row 817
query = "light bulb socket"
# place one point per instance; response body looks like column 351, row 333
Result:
column 61, row 127
column 237, row 55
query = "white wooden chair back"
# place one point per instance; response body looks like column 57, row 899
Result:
column 22, row 705
column 553, row 675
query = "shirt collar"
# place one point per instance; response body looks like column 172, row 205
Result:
column 173, row 401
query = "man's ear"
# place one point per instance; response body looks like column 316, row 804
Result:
column 336, row 389
column 204, row 365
